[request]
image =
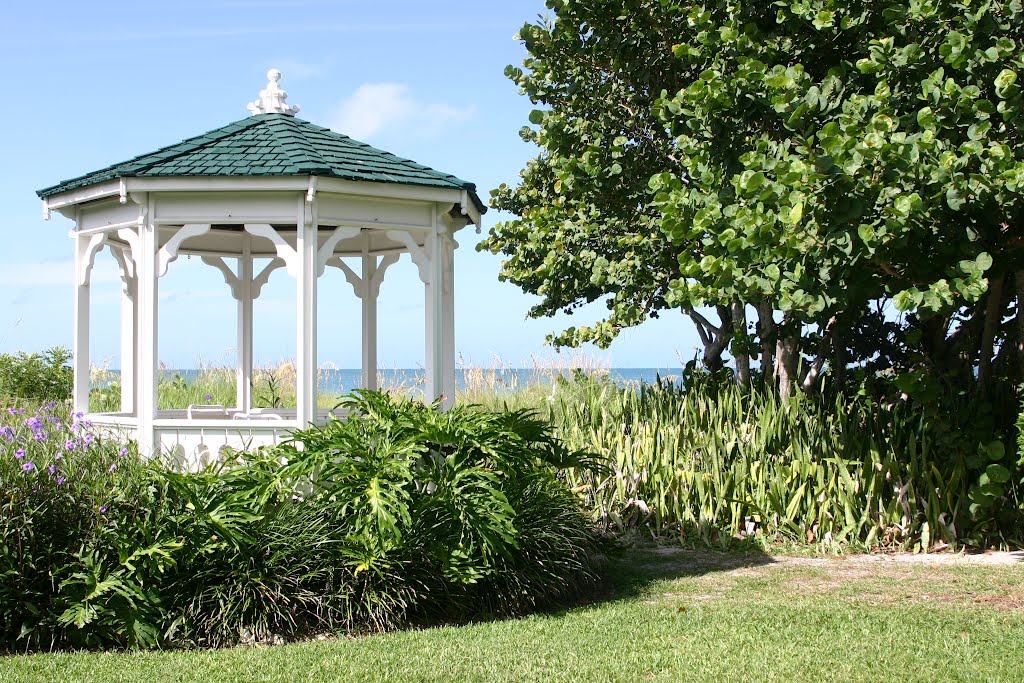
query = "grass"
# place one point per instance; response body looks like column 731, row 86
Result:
column 668, row 616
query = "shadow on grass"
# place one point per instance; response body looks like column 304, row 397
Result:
column 631, row 572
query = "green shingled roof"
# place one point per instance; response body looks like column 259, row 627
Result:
column 272, row 145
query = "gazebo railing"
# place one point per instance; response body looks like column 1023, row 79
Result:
column 190, row 444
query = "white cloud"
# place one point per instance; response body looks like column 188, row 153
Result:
column 376, row 107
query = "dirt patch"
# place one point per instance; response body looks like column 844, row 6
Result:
column 1010, row 598
column 989, row 580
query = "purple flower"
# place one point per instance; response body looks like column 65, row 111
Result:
column 208, row 397
column 12, row 411
column 34, row 423
column 112, row 467
column 28, row 467
column 40, row 435
column 7, row 433
column 103, row 509
column 123, row 452
column 20, row 453
column 89, row 438
column 52, row 469
column 69, row 445
column 61, row 481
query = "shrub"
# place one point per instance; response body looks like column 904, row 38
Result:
column 43, row 376
column 401, row 514
column 61, row 485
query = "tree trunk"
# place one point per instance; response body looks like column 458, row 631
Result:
column 993, row 318
column 787, row 356
column 739, row 345
column 810, row 379
column 766, row 331
column 714, row 338
column 1019, row 281
column 839, row 358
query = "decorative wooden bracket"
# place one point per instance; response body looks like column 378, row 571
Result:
column 327, row 250
column 264, row 276
column 285, row 251
column 350, row 275
column 230, row 278
column 377, row 276
column 169, row 251
column 362, row 285
column 132, row 238
column 126, row 265
column 87, row 256
column 417, row 253
column 233, row 280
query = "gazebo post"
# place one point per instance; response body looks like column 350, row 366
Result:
column 244, row 355
column 447, row 257
column 368, row 298
column 306, row 248
column 435, row 318
column 148, row 331
column 129, row 315
column 81, row 322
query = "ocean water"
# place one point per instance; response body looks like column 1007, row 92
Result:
column 339, row 381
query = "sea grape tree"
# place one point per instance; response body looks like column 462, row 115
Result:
column 850, row 171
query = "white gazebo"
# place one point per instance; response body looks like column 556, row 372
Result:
column 269, row 191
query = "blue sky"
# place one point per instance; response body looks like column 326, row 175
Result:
column 87, row 84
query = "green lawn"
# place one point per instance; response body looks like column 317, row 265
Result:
column 690, row 616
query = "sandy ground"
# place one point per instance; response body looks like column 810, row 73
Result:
column 874, row 579
column 703, row 557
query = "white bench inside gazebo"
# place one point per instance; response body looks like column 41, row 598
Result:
column 267, row 192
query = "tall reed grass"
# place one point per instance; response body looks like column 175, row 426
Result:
column 724, row 463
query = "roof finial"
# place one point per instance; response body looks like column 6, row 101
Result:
column 272, row 98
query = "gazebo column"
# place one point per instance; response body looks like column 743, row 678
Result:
column 129, row 313
column 245, row 289
column 439, row 318
column 367, row 294
column 244, row 295
column 129, row 319
column 148, row 334
column 80, row 349
column 367, row 289
column 306, row 271
column 447, row 257
column 439, row 339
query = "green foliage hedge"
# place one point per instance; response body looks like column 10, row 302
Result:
column 43, row 376
column 400, row 515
